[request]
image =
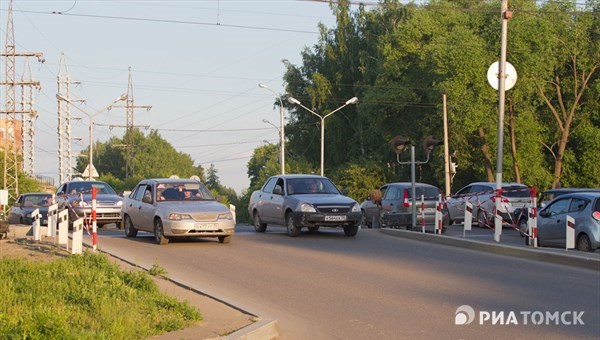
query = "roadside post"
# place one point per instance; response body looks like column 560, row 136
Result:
column 35, row 226
column 439, row 216
column 532, row 220
column 63, row 228
column 570, row 244
column 232, row 209
column 423, row 213
column 94, row 227
column 52, row 211
column 77, row 246
column 468, row 217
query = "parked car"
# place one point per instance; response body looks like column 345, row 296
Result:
column 76, row 195
column 303, row 201
column 482, row 195
column 396, row 206
column 20, row 212
column 584, row 207
column 522, row 216
column 176, row 208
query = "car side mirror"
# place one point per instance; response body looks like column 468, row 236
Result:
column 345, row 192
column 277, row 190
column 60, row 193
column 147, row 199
column 544, row 213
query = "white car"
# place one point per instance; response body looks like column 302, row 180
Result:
column 176, row 208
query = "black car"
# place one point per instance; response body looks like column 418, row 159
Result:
column 20, row 212
column 76, row 195
column 303, row 201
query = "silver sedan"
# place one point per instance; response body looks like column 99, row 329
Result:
column 176, row 208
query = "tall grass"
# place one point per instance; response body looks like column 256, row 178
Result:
column 84, row 297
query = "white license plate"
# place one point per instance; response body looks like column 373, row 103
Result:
column 206, row 226
column 335, row 217
column 428, row 210
column 104, row 210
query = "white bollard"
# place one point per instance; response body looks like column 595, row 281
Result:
column 35, row 226
column 423, row 213
column 532, row 224
column 468, row 217
column 232, row 209
column 498, row 218
column 77, row 247
column 52, row 210
column 63, row 228
column 570, row 225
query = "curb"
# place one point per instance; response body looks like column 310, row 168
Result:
column 507, row 250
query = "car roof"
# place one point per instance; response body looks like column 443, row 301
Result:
column 409, row 184
column 570, row 190
column 36, row 194
column 504, row 184
column 292, row 176
column 171, row 180
column 588, row 194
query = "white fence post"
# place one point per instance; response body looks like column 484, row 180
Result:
column 77, row 247
column 570, row 244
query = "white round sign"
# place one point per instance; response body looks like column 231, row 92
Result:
column 511, row 76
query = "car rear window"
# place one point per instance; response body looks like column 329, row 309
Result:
column 515, row 191
column 429, row 193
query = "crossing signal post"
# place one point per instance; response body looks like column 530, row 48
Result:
column 399, row 144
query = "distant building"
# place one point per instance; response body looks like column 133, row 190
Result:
column 12, row 137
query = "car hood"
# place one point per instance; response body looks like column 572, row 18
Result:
column 193, row 206
column 325, row 199
column 99, row 197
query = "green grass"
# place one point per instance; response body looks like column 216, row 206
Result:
column 84, row 297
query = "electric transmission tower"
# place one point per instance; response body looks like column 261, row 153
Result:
column 65, row 157
column 10, row 122
column 129, row 145
column 29, row 118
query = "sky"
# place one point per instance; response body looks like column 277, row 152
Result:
column 198, row 63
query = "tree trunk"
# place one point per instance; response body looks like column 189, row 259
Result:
column 487, row 160
column 513, row 140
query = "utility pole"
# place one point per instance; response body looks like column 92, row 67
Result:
column 65, row 156
column 10, row 121
column 129, row 146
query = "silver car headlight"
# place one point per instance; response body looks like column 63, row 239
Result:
column 178, row 217
column 118, row 204
column 225, row 216
column 306, row 207
column 356, row 207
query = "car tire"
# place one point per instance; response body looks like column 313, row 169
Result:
column 225, row 239
column 159, row 233
column 130, row 230
column 351, row 230
column 292, row 229
column 481, row 220
column 584, row 244
column 313, row 229
column 259, row 226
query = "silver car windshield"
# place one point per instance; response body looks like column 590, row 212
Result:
column 299, row 186
column 184, row 191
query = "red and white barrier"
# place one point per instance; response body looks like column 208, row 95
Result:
column 94, row 227
column 77, row 243
column 498, row 216
column 423, row 213
column 570, row 233
column 439, row 215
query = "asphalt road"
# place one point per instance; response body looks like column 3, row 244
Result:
column 375, row 286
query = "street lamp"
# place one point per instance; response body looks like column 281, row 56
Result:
column 281, row 129
column 91, row 125
column 352, row 100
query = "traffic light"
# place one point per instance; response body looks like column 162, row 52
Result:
column 429, row 144
column 398, row 144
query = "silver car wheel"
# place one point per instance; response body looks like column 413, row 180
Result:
column 292, row 229
column 159, row 236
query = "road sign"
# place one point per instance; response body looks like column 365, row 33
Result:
column 511, row 76
column 86, row 172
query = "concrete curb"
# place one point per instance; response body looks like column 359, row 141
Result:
column 535, row 254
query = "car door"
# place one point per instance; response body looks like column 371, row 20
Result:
column 264, row 204
column 277, row 202
column 134, row 207
column 456, row 204
column 391, row 198
column 552, row 222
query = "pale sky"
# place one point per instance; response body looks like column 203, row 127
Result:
column 198, row 63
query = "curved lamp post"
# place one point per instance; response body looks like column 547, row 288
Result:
column 352, row 100
column 91, row 125
column 281, row 129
